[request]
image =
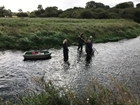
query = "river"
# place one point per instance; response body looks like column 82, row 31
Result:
column 121, row 60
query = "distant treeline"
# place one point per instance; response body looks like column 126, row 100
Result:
column 93, row 9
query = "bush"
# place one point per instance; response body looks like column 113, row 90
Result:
column 94, row 94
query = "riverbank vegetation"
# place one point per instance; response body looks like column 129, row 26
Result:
column 92, row 10
column 94, row 94
column 45, row 33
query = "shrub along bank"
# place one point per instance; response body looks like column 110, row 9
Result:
column 44, row 33
column 94, row 94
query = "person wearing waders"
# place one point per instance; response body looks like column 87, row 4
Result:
column 81, row 42
column 92, row 51
column 65, row 51
column 88, row 50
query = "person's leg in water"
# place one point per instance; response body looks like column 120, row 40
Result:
column 66, row 58
column 78, row 46
column 88, row 56
column 81, row 47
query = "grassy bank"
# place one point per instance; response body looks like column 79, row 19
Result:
column 42, row 33
column 94, row 94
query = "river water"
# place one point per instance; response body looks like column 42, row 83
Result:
column 121, row 60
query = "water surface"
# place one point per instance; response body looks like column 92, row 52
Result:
column 121, row 60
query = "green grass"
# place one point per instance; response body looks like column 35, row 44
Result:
column 40, row 33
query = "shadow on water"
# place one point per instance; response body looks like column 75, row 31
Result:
column 35, row 59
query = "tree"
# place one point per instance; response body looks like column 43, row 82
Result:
column 138, row 5
column 20, row 10
column 137, row 15
column 93, row 4
column 100, row 5
column 86, row 14
column 22, row 14
column 125, row 5
column 39, row 7
column 2, row 11
column 8, row 13
column 51, row 11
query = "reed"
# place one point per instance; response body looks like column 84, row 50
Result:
column 94, row 94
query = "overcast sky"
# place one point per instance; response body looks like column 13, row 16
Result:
column 30, row 5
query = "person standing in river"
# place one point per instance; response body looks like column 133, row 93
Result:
column 80, row 41
column 65, row 51
column 91, row 41
column 89, row 50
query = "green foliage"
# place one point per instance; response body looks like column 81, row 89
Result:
column 104, row 15
column 22, row 14
column 50, row 95
column 138, row 5
column 93, row 4
column 125, row 5
column 87, row 14
column 7, row 41
column 93, row 94
column 137, row 15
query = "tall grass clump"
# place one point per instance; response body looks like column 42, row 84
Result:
column 50, row 95
column 93, row 94
column 38, row 40
column 117, row 94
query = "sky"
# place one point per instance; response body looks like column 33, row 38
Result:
column 31, row 5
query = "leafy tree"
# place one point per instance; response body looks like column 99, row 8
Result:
column 76, row 13
column 40, row 7
column 86, row 14
column 104, row 15
column 32, row 15
column 137, row 15
column 114, row 13
column 2, row 11
column 51, row 11
column 107, row 6
column 100, row 5
column 65, row 14
column 22, row 14
column 93, row 4
column 98, row 10
column 77, row 8
column 125, row 5
column 128, row 13
column 37, row 13
column 20, row 10
column 71, row 13
column 138, row 5
column 8, row 13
